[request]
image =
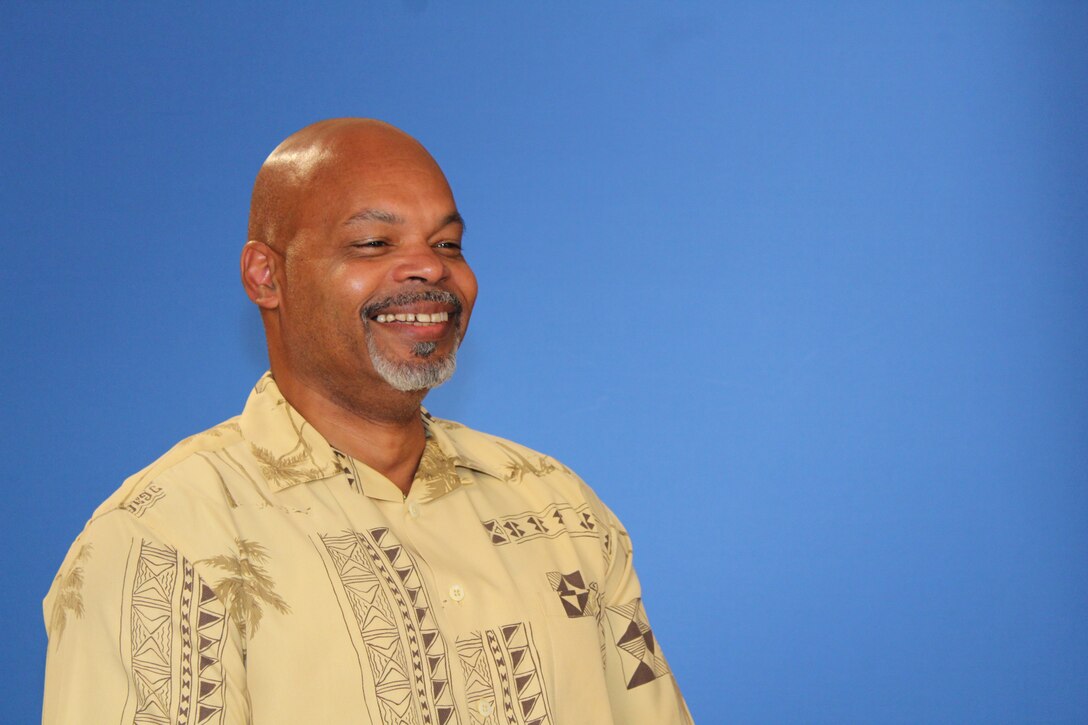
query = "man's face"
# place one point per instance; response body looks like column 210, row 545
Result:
column 376, row 290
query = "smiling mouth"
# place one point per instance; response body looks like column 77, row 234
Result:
column 432, row 308
column 417, row 319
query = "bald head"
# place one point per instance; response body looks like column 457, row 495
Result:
column 309, row 160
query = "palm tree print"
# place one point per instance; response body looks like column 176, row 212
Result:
column 436, row 472
column 248, row 586
column 217, row 431
column 69, row 594
column 287, row 469
column 517, row 465
column 296, row 465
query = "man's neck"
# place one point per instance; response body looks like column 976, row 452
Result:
column 385, row 431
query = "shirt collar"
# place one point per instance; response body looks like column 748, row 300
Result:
column 289, row 451
column 445, row 434
column 287, row 448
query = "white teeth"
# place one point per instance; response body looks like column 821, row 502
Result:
column 415, row 318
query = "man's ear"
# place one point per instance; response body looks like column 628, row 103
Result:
column 259, row 272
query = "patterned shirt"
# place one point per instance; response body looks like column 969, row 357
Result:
column 256, row 574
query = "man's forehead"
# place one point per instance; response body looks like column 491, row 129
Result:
column 363, row 169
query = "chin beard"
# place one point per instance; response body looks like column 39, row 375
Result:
column 418, row 374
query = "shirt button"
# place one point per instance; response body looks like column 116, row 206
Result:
column 413, row 510
column 457, row 592
column 485, row 707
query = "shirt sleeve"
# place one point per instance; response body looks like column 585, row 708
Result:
column 135, row 635
column 641, row 687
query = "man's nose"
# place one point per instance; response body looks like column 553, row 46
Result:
column 420, row 263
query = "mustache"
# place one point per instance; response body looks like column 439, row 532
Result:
column 407, row 298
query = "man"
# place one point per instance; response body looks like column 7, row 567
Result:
column 335, row 554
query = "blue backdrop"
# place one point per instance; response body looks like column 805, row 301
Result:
column 800, row 288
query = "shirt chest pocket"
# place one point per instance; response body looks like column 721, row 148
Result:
column 571, row 594
column 573, row 613
column 574, row 624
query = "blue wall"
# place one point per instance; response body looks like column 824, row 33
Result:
column 800, row 288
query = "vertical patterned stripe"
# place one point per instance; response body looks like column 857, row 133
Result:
column 151, row 625
column 177, row 627
column 186, row 690
column 210, row 622
column 504, row 677
column 479, row 690
column 518, row 683
column 391, row 609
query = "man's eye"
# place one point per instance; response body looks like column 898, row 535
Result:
column 371, row 244
column 455, row 246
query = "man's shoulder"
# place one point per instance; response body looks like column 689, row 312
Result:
column 476, row 440
column 185, row 464
column 500, row 457
column 539, row 475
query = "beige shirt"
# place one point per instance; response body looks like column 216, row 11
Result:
column 255, row 574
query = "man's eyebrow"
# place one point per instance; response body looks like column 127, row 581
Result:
column 454, row 218
column 375, row 215
column 388, row 217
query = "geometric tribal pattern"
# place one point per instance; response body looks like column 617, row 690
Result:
column 163, row 650
column 347, row 467
column 209, row 622
column 185, row 694
column 578, row 599
column 152, row 632
column 402, row 647
column 479, row 690
column 550, row 523
column 502, row 676
column 639, row 655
